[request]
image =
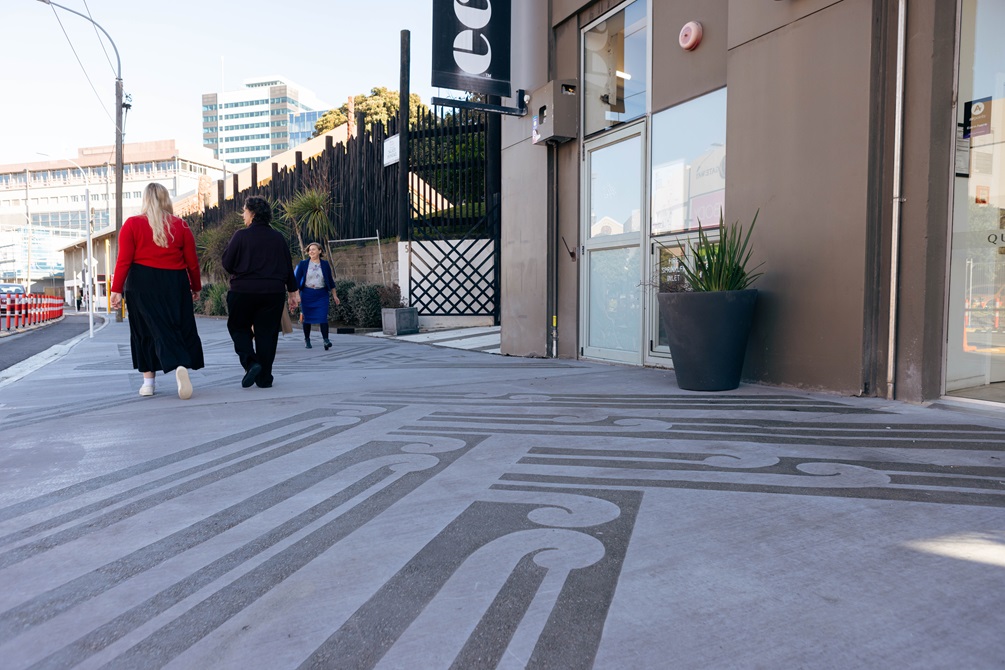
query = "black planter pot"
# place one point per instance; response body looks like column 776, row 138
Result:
column 708, row 334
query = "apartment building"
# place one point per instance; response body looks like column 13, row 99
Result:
column 254, row 123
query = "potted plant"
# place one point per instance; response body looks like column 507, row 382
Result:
column 396, row 319
column 708, row 317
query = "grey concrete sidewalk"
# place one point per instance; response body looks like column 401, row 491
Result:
column 393, row 505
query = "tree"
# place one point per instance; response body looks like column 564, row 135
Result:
column 330, row 120
column 379, row 106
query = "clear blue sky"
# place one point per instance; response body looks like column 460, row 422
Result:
column 171, row 54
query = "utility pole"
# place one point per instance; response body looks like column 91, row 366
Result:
column 404, row 205
column 118, row 123
column 118, row 166
column 27, row 216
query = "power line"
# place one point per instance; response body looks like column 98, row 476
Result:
column 100, row 41
column 86, row 76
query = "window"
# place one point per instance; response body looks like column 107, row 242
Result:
column 614, row 68
column 689, row 164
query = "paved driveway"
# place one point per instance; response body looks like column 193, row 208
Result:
column 395, row 505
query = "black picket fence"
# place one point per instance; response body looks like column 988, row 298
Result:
column 363, row 192
column 447, row 183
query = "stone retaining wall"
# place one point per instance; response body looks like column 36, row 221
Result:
column 362, row 264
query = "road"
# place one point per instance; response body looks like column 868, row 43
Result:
column 18, row 347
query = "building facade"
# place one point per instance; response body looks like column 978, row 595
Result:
column 43, row 204
column 302, row 126
column 253, row 123
column 865, row 134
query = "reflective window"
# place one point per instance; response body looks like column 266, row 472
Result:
column 689, row 164
column 616, row 192
column 614, row 69
column 976, row 353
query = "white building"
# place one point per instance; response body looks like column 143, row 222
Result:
column 252, row 124
column 44, row 201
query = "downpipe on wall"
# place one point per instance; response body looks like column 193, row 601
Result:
column 898, row 199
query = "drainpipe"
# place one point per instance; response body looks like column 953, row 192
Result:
column 898, row 158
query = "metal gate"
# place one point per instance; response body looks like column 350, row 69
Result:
column 453, row 230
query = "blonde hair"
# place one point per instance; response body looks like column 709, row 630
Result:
column 157, row 208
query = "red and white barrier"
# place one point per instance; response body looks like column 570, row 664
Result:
column 31, row 309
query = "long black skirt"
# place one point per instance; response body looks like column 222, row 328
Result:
column 162, row 332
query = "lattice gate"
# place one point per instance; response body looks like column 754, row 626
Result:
column 453, row 257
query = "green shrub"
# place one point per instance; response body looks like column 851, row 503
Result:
column 343, row 314
column 216, row 300
column 211, row 242
column 365, row 301
column 199, row 306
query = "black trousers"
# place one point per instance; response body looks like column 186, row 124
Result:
column 262, row 311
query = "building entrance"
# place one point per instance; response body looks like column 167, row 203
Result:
column 614, row 212
column 975, row 360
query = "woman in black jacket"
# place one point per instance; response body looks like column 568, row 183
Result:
column 261, row 273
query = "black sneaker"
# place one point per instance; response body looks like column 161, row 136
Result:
column 328, row 345
column 251, row 375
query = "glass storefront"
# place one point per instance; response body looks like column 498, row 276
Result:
column 688, row 190
column 644, row 201
column 975, row 361
column 615, row 80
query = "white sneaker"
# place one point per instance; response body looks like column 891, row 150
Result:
column 147, row 389
column 184, row 383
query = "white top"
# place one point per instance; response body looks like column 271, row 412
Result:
column 315, row 278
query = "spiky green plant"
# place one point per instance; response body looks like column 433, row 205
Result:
column 307, row 214
column 721, row 265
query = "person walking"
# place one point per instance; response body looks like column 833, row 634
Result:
column 261, row 273
column 315, row 280
column 157, row 270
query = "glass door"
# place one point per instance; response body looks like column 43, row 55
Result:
column 612, row 263
column 975, row 360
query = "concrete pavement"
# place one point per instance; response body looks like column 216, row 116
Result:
column 388, row 504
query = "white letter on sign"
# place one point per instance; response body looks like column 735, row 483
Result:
column 464, row 43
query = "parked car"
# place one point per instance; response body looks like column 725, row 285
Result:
column 10, row 293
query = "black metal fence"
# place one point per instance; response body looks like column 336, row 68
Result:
column 363, row 191
column 454, row 267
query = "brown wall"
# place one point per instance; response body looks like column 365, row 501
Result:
column 797, row 147
column 567, row 162
column 680, row 75
column 524, row 213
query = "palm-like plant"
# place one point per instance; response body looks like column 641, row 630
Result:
column 307, row 214
column 721, row 265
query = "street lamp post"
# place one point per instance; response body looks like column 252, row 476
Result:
column 89, row 270
column 118, row 125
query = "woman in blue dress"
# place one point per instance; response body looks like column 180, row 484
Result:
column 316, row 280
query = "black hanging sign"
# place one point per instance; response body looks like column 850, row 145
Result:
column 471, row 46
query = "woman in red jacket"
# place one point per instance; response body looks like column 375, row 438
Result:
column 158, row 270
